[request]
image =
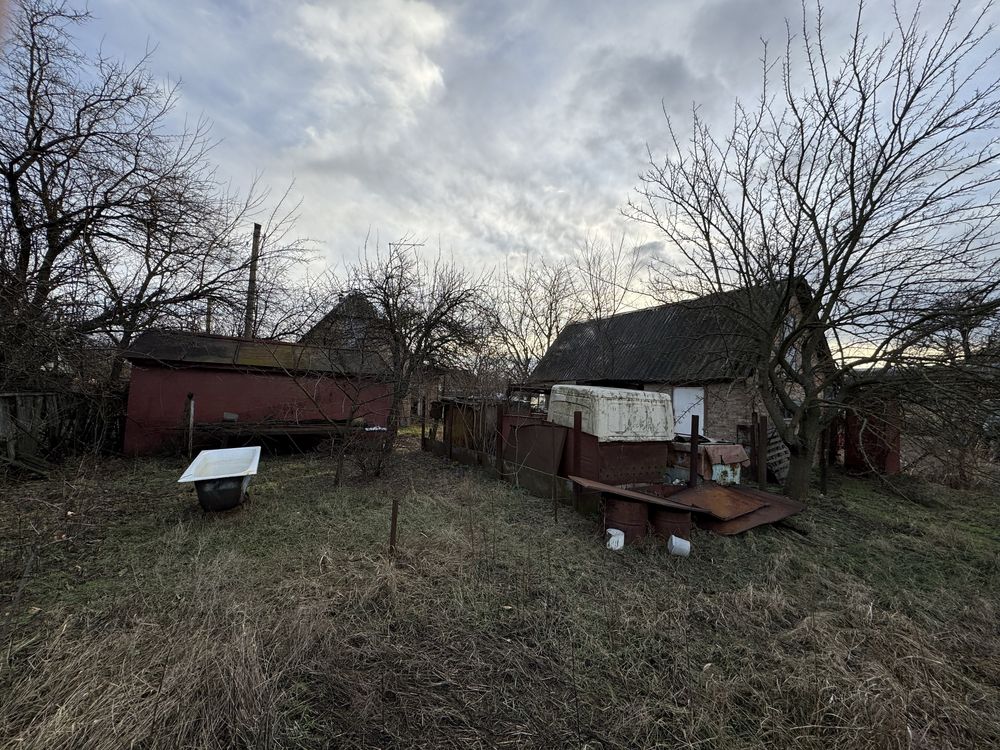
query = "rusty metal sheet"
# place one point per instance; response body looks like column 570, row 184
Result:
column 593, row 486
column 667, row 522
column 622, row 463
column 722, row 502
column 778, row 507
column 536, row 446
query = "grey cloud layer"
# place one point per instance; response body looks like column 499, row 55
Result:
column 500, row 128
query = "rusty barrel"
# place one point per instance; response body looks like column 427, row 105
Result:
column 667, row 522
column 627, row 515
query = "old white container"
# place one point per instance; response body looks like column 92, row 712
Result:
column 678, row 546
column 614, row 414
column 615, row 538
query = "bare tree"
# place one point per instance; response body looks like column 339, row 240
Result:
column 608, row 277
column 110, row 221
column 608, row 274
column 430, row 314
column 533, row 302
column 851, row 205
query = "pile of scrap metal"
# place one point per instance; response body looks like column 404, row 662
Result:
column 619, row 446
column 670, row 509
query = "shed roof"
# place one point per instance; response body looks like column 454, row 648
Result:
column 209, row 350
column 696, row 341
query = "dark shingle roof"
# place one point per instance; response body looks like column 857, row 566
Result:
column 683, row 342
column 183, row 348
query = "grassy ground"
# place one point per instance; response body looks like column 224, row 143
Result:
column 130, row 619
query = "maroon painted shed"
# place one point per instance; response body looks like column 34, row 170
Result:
column 264, row 383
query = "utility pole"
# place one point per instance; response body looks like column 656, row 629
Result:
column 252, row 286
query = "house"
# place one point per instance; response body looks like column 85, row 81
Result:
column 354, row 323
column 692, row 350
column 245, row 387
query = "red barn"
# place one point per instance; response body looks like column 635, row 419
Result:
column 245, row 387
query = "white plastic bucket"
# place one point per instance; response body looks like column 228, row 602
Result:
column 616, row 539
column 678, row 546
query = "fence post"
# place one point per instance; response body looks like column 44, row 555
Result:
column 693, row 474
column 500, row 440
column 190, row 425
column 423, row 422
column 577, row 447
column 392, row 525
column 762, row 452
column 824, row 438
column 449, row 427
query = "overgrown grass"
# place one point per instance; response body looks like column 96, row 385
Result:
column 140, row 622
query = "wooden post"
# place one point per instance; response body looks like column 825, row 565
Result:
column 500, row 440
column 762, row 451
column 449, row 427
column 552, row 482
column 577, row 447
column 190, row 426
column 753, row 437
column 252, row 285
column 693, row 474
column 423, row 422
column 392, row 524
column 823, row 457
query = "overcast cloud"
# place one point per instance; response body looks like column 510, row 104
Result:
column 498, row 128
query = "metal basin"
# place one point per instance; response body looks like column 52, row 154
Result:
column 221, row 476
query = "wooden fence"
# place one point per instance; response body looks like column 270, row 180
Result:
column 50, row 425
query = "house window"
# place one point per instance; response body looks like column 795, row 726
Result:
column 688, row 401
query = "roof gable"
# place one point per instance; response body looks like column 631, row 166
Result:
column 700, row 340
column 208, row 350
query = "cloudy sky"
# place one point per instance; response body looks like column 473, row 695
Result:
column 492, row 128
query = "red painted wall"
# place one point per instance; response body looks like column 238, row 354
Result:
column 874, row 444
column 158, row 397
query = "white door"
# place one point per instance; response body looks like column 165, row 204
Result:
column 688, row 401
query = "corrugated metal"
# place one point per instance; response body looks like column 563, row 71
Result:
column 178, row 347
column 676, row 343
column 696, row 341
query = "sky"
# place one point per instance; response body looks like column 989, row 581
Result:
column 491, row 129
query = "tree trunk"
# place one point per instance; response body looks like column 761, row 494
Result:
column 800, row 459
column 799, row 474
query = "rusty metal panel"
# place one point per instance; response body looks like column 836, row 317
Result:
column 536, row 446
column 722, row 502
column 624, row 463
column 589, row 456
column 628, row 494
column 772, row 513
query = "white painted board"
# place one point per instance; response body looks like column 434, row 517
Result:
column 689, row 400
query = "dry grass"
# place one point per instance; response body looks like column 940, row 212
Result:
column 142, row 623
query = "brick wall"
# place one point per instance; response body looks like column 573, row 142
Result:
column 727, row 405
